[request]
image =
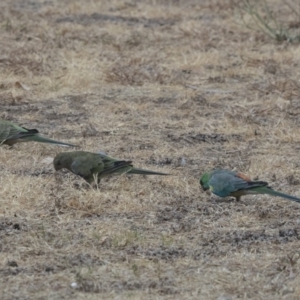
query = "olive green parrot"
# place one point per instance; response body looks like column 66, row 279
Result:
column 11, row 133
column 94, row 166
column 224, row 183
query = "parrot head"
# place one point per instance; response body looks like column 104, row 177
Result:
column 204, row 181
column 61, row 160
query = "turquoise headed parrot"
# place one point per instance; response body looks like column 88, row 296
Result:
column 94, row 166
column 224, row 183
column 11, row 133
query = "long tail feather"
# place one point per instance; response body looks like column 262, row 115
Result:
column 42, row 139
column 269, row 191
column 145, row 172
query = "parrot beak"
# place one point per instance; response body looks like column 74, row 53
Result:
column 57, row 166
column 204, row 188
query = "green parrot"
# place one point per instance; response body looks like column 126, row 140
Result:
column 94, row 166
column 11, row 133
column 224, row 183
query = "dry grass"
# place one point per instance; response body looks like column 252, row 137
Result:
column 158, row 82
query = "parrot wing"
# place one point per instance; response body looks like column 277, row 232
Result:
column 5, row 133
column 223, row 184
column 11, row 133
column 112, row 165
column 9, row 130
column 85, row 166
